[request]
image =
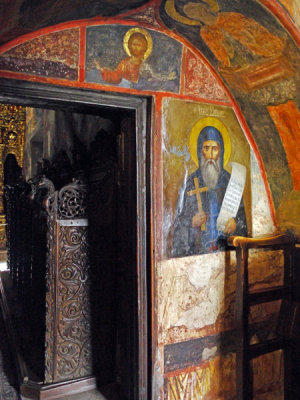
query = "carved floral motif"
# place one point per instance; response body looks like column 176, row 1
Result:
column 68, row 346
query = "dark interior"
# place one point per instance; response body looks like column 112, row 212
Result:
column 102, row 156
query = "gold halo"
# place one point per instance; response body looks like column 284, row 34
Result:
column 147, row 36
column 197, row 128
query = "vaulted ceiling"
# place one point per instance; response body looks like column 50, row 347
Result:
column 18, row 17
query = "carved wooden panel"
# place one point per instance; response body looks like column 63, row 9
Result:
column 68, row 332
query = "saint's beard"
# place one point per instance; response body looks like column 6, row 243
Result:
column 210, row 172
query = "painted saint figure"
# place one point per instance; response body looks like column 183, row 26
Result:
column 138, row 45
column 200, row 200
column 129, row 67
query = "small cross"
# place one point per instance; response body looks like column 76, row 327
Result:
column 197, row 192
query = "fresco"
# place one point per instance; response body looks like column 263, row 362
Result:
column 249, row 56
column 199, row 80
column 54, row 55
column 22, row 16
column 293, row 8
column 239, row 39
column 196, row 323
column 287, row 120
column 216, row 380
column 133, row 57
column 206, row 165
column 147, row 16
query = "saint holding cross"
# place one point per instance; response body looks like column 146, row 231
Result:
column 195, row 227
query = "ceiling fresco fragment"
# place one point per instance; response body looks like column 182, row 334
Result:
column 53, row 55
column 22, row 16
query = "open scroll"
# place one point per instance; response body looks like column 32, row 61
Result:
column 233, row 195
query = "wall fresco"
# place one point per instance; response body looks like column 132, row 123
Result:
column 248, row 55
column 193, row 226
column 287, row 120
column 216, row 380
column 262, row 221
column 256, row 75
column 147, row 15
column 196, row 322
column 54, row 55
column 199, row 80
column 133, row 58
column 197, row 294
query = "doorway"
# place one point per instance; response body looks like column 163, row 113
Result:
column 118, row 187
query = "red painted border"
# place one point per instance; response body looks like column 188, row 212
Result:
column 182, row 72
column 158, row 176
column 82, row 49
column 181, row 371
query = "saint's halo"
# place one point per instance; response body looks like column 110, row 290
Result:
column 197, row 128
column 146, row 35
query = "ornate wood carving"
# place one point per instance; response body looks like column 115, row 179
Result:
column 68, row 333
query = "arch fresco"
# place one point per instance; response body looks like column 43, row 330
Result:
column 193, row 295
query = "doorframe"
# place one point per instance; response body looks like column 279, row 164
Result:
column 39, row 95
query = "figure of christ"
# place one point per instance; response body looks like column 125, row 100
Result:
column 200, row 200
column 128, row 68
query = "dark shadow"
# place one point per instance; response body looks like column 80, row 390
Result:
column 112, row 240
column 107, row 166
column 8, row 376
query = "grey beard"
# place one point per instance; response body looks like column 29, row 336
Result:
column 210, row 172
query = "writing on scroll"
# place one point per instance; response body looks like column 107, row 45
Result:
column 233, row 195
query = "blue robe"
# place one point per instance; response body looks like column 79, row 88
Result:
column 188, row 240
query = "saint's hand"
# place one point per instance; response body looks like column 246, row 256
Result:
column 199, row 219
column 230, row 226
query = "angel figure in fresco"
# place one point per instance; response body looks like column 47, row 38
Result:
column 234, row 39
column 196, row 229
column 138, row 45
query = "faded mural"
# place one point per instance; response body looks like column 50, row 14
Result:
column 53, row 55
column 133, row 58
column 199, row 80
column 258, row 61
column 207, row 164
column 248, row 55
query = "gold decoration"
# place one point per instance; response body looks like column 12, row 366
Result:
column 12, row 129
column 146, row 35
column 197, row 128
